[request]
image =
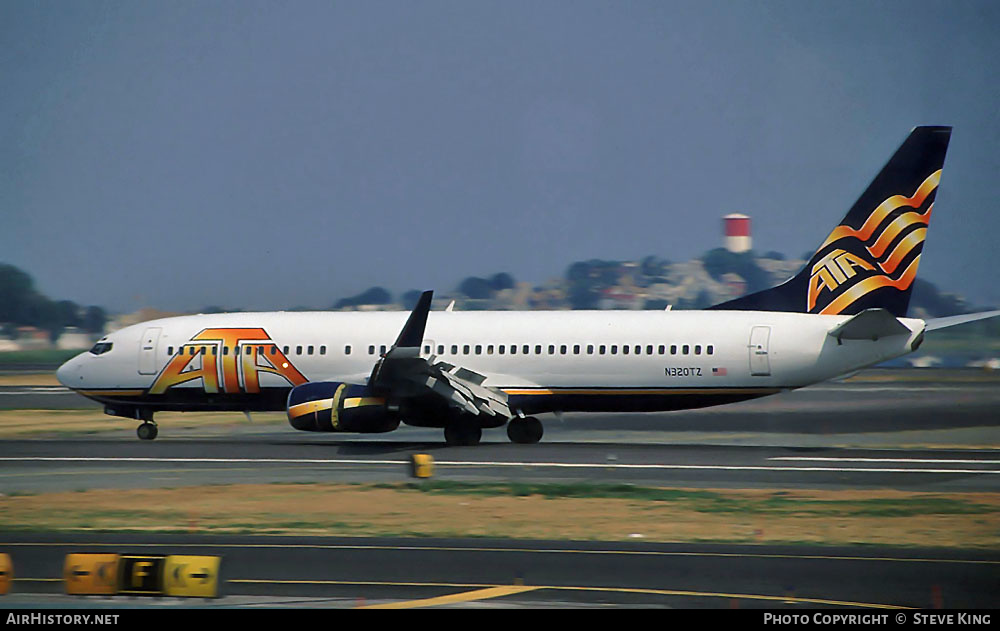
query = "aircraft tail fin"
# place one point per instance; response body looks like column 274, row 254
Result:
column 870, row 260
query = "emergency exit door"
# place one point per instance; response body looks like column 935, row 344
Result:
column 760, row 364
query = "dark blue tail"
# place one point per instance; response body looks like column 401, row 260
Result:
column 870, row 260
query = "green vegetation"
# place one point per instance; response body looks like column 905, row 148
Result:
column 580, row 511
column 22, row 305
column 779, row 502
column 51, row 356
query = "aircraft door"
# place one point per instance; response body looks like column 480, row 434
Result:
column 147, row 351
column 760, row 365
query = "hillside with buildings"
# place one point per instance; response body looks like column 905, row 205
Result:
column 30, row 321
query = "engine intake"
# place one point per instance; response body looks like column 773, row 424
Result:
column 330, row 406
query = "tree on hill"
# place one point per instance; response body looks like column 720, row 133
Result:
column 409, row 299
column 721, row 261
column 22, row 305
column 94, row 319
column 502, row 281
column 476, row 288
column 372, row 296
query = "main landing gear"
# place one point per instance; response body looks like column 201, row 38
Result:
column 525, row 431
column 463, row 433
column 467, row 432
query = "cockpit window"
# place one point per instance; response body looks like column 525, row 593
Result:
column 100, row 348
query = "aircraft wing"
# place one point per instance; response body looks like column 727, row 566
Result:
column 943, row 323
column 402, row 372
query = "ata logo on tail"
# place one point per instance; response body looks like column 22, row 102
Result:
column 232, row 358
column 847, row 269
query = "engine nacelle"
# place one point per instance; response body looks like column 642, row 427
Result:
column 330, row 406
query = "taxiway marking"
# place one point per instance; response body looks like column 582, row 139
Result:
column 461, row 597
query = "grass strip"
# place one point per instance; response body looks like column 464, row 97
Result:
column 526, row 511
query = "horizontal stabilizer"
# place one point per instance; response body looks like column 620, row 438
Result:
column 870, row 324
column 944, row 323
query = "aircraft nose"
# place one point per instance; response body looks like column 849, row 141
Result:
column 68, row 372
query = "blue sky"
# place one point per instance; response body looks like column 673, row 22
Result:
column 265, row 155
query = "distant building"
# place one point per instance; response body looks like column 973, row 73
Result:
column 73, row 338
column 30, row 338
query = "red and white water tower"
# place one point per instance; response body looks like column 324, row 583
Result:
column 737, row 231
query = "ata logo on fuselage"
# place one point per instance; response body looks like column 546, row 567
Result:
column 227, row 360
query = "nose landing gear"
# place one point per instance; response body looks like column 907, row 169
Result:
column 147, row 431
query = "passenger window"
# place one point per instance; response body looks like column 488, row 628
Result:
column 310, row 350
column 479, row 349
column 614, row 349
column 602, row 349
column 649, row 349
column 225, row 350
column 662, row 349
column 465, row 349
column 170, row 350
column 710, row 349
column 274, row 350
column 697, row 349
column 215, row 350
column 489, row 349
column 427, row 349
column 576, row 349
column 190, row 350
column 513, row 349
column 500, row 349
column 525, row 349
column 673, row 349
column 454, row 349
column 552, row 349
column 538, row 349
column 625, row 349
column 284, row 349
column 590, row 349
column 686, row 349
column 298, row 350
column 562, row 349
column 440, row 349
column 347, row 350
column 381, row 350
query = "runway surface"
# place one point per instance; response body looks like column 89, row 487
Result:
column 913, row 430
column 34, row 466
column 345, row 572
column 937, row 432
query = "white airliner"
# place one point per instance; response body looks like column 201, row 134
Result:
column 465, row 371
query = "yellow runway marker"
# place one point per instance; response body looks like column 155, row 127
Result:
column 463, row 597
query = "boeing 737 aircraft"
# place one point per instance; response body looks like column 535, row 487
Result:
column 466, row 371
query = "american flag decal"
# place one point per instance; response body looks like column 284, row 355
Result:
column 718, row 372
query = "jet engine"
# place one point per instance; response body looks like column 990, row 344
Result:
column 330, row 406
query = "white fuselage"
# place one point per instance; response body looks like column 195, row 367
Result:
column 543, row 360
